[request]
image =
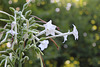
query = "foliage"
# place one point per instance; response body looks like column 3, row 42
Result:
column 84, row 14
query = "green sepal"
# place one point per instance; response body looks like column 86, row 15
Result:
column 28, row 13
column 30, row 19
column 17, row 50
column 25, row 6
column 33, row 21
column 25, row 58
column 9, row 50
column 21, row 42
column 2, row 29
column 42, row 38
column 11, row 18
column 12, row 9
column 2, row 62
column 8, row 66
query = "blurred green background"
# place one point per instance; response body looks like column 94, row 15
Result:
column 85, row 14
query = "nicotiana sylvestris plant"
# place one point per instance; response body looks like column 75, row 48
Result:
column 21, row 30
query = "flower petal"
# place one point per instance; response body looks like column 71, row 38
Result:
column 49, row 28
column 44, row 44
column 75, row 32
column 65, row 38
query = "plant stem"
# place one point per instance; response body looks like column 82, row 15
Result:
column 41, row 60
column 2, row 51
column 69, row 33
column 20, row 56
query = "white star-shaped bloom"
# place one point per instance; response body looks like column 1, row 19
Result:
column 49, row 28
column 75, row 32
column 44, row 44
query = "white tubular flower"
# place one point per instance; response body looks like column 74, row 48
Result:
column 44, row 44
column 49, row 28
column 12, row 32
column 75, row 32
column 13, row 24
column 65, row 38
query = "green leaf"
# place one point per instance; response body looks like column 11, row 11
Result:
column 12, row 9
column 5, row 20
column 43, row 38
column 9, row 50
column 11, row 18
column 28, row 13
column 2, row 29
column 2, row 62
column 25, row 6
column 30, row 19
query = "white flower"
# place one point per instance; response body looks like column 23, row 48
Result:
column 65, row 38
column 57, row 9
column 12, row 32
column 49, row 28
column 68, row 6
column 13, row 24
column 44, row 44
column 8, row 45
column 75, row 32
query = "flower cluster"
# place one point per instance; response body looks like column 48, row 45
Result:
column 50, row 29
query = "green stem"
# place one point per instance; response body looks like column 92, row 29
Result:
column 41, row 60
column 20, row 56
column 5, row 63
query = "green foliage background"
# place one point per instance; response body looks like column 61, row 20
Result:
column 85, row 14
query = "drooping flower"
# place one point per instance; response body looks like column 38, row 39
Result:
column 44, row 44
column 49, row 28
column 75, row 32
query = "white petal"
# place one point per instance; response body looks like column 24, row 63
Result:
column 12, row 32
column 75, row 32
column 8, row 44
column 13, row 24
column 68, row 4
column 49, row 28
column 65, row 38
column 44, row 44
